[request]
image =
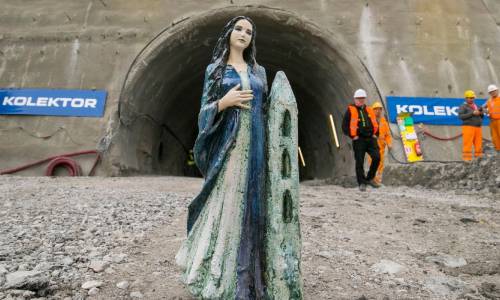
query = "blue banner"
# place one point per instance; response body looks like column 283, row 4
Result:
column 48, row 102
column 434, row 111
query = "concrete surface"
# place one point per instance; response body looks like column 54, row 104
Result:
column 327, row 49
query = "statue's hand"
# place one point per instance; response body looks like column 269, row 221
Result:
column 234, row 97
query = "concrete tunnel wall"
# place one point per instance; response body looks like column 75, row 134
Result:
column 160, row 101
column 411, row 48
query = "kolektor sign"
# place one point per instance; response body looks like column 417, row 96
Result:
column 50, row 102
column 434, row 111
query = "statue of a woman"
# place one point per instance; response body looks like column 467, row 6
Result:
column 223, row 256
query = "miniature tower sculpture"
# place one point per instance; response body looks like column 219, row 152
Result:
column 283, row 239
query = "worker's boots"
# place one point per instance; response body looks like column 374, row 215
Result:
column 374, row 184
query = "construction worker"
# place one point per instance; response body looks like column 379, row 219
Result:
column 384, row 138
column 472, row 119
column 361, row 126
column 493, row 106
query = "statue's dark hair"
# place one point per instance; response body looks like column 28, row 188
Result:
column 221, row 54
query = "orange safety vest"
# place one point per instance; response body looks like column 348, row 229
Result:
column 354, row 124
column 494, row 108
column 384, row 136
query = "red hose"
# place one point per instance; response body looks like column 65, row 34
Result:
column 59, row 160
column 70, row 164
column 427, row 133
column 441, row 138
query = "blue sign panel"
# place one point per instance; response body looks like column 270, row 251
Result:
column 434, row 111
column 47, row 102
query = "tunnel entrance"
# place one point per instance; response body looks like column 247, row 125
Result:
column 160, row 99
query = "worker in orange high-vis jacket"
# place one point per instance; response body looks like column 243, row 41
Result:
column 493, row 106
column 472, row 120
column 360, row 124
column 384, row 137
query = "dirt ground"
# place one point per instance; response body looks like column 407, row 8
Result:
column 389, row 243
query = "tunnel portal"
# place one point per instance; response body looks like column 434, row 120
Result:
column 160, row 99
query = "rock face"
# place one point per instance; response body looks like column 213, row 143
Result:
column 447, row 261
column 490, row 290
column 27, row 280
column 88, row 285
column 388, row 267
column 93, row 291
column 98, row 265
column 283, row 241
column 137, row 295
column 482, row 175
column 443, row 286
column 123, row 285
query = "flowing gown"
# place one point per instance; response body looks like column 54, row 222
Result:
column 222, row 256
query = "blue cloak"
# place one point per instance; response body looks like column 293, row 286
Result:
column 217, row 131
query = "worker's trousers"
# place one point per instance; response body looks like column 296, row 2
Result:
column 361, row 147
column 472, row 136
column 495, row 133
column 380, row 169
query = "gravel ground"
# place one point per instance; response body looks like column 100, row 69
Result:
column 116, row 238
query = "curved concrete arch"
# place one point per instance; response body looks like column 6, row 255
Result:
column 159, row 100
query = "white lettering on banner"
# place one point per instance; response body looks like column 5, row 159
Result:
column 439, row 110
column 30, row 102
column 416, row 109
column 41, row 101
column 77, row 102
column 425, row 110
column 90, row 103
column 452, row 111
column 50, row 102
column 8, row 100
column 401, row 108
column 20, row 101
column 65, row 101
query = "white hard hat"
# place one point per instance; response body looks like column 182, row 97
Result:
column 492, row 88
column 360, row 94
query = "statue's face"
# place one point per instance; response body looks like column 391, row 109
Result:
column 241, row 35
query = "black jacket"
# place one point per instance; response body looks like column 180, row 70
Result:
column 465, row 113
column 365, row 128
